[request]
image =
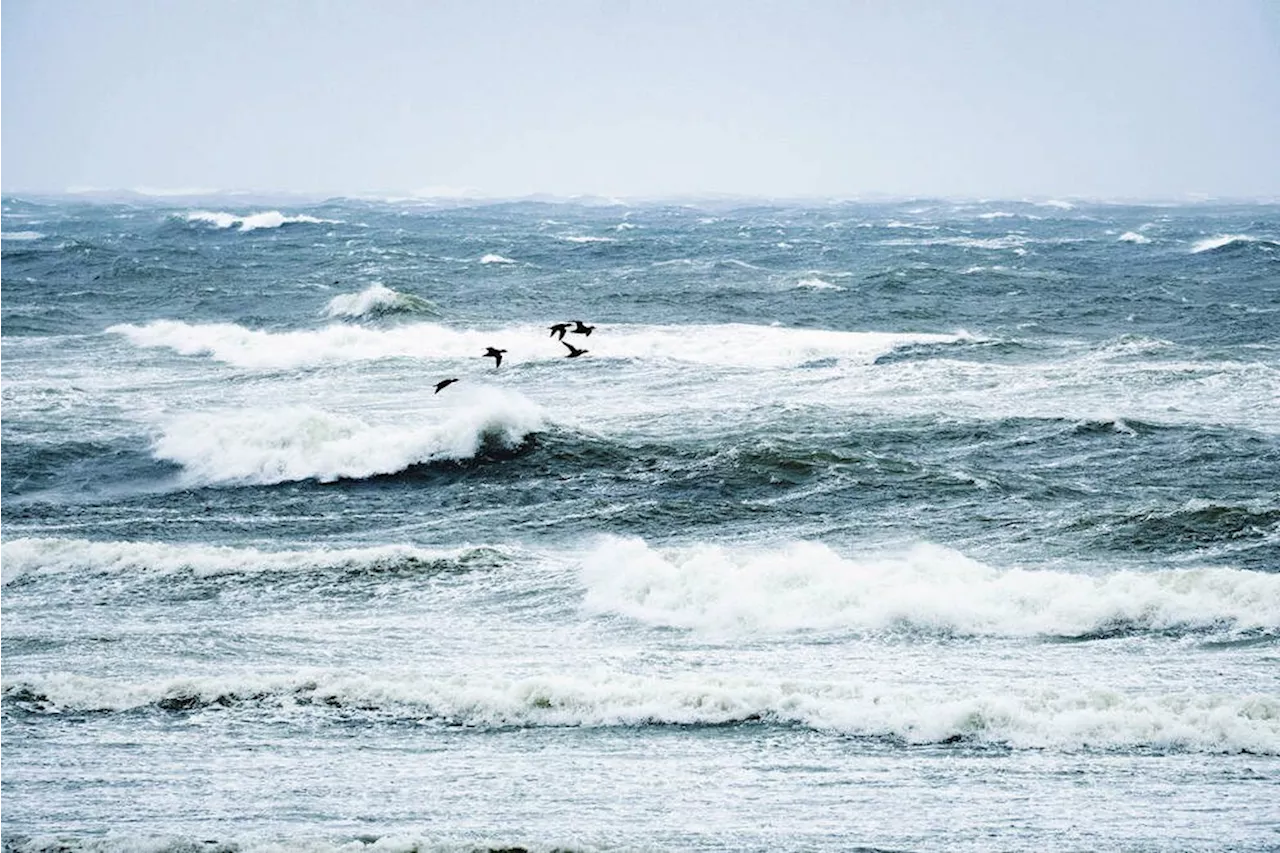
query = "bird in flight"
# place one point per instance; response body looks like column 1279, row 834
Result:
column 574, row 352
column 559, row 329
column 495, row 354
column 581, row 328
column 444, row 383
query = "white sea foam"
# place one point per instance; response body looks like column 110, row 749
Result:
column 254, row 221
column 735, row 344
column 301, row 443
column 815, row 283
column 1008, row 241
column 579, row 239
column 805, row 586
column 997, row 214
column 1221, row 241
column 53, row 556
column 21, row 235
column 373, row 300
column 1133, row 237
column 1023, row 718
column 495, row 259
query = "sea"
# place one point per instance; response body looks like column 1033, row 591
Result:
column 860, row 525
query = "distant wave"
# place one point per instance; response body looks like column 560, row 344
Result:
column 21, row 235
column 735, row 344
column 1008, row 241
column 1084, row 718
column 26, row 558
column 254, row 221
column 577, row 239
column 1133, row 237
column 302, row 443
column 814, row 283
column 376, row 300
column 1226, row 241
column 495, row 259
column 805, row 586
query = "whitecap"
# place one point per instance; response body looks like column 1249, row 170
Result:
column 304, row 443
column 495, row 259
column 1133, row 237
column 1221, row 241
column 254, row 221
column 374, row 300
column 817, row 284
column 807, row 586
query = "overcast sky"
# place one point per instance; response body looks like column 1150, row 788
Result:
column 1026, row 98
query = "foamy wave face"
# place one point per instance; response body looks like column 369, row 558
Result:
column 1039, row 719
column 253, row 221
column 738, row 345
column 375, row 300
column 814, row 283
column 1223, row 241
column 1133, row 237
column 23, row 557
column 806, row 586
column 302, row 443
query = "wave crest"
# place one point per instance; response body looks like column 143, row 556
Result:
column 29, row 557
column 916, row 715
column 377, row 300
column 253, row 221
column 806, row 586
column 1231, row 241
column 303, row 443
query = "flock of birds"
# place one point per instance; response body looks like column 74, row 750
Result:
column 558, row 330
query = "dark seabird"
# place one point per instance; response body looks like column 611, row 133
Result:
column 444, row 383
column 495, row 354
column 559, row 329
column 574, row 352
column 581, row 328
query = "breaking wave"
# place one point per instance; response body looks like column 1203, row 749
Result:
column 806, row 586
column 1230, row 241
column 1035, row 719
column 375, row 301
column 304, row 443
column 254, row 221
column 734, row 344
column 28, row 557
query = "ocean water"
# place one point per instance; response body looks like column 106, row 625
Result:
column 915, row 526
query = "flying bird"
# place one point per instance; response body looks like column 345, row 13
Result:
column 495, row 354
column 581, row 328
column 444, row 383
column 574, row 352
column 559, row 329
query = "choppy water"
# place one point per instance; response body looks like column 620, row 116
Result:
column 911, row 526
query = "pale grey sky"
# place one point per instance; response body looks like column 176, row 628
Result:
column 992, row 98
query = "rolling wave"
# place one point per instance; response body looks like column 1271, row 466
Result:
column 1226, row 242
column 807, row 586
column 27, row 559
column 303, row 443
column 734, row 344
column 253, row 221
column 1030, row 719
column 378, row 300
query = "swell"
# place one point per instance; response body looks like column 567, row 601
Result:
column 1081, row 720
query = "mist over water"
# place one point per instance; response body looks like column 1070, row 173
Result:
column 916, row 525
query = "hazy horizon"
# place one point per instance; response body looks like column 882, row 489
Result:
column 1141, row 101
